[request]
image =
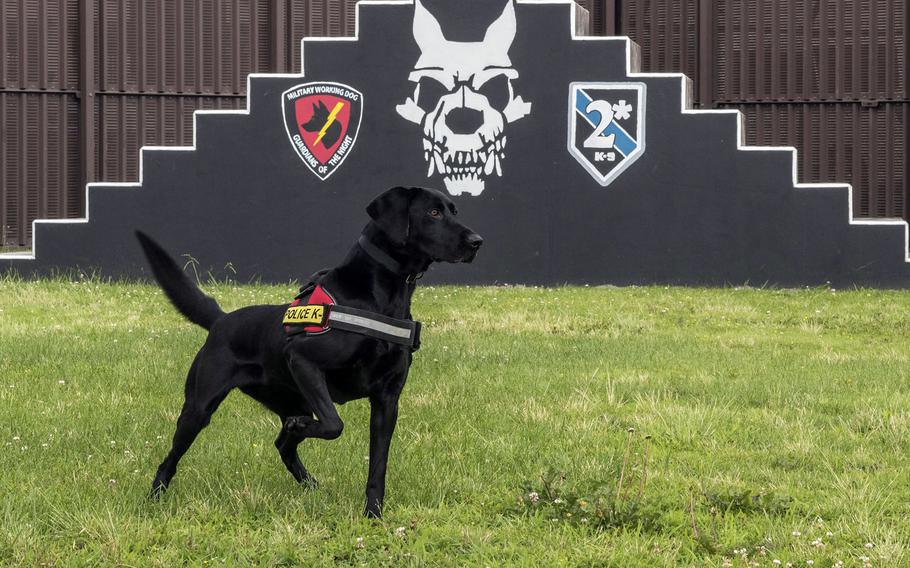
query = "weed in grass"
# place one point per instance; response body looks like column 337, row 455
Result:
column 720, row 503
column 726, row 501
column 599, row 504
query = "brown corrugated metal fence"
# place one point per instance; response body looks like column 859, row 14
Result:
column 66, row 119
column 828, row 77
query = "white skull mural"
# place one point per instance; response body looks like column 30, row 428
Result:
column 463, row 98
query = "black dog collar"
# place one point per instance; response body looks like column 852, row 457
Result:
column 385, row 260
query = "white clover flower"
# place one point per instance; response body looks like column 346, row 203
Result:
column 796, row 533
column 399, row 532
column 359, row 543
column 869, row 545
column 534, row 497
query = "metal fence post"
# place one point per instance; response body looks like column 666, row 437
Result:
column 610, row 18
column 705, row 69
column 87, row 96
column 279, row 31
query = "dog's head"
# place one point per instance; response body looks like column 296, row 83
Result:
column 424, row 222
column 318, row 121
column 319, row 118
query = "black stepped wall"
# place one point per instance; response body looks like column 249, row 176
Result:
column 693, row 209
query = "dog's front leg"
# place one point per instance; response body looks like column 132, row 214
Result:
column 383, row 415
column 311, row 381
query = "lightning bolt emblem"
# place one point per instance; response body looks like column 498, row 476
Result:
column 328, row 122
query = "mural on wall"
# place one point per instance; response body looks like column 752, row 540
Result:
column 439, row 93
column 463, row 99
column 606, row 127
column 323, row 138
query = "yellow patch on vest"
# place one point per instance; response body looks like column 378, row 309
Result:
column 312, row 315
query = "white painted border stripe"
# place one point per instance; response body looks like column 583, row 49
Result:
column 685, row 108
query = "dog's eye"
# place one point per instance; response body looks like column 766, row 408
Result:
column 435, row 213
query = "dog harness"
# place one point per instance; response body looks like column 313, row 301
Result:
column 314, row 312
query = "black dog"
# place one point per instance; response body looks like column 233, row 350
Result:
column 318, row 120
column 299, row 376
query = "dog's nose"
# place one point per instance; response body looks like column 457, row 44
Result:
column 474, row 241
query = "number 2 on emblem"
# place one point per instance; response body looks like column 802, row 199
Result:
column 595, row 140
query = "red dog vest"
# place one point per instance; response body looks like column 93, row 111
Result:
column 318, row 298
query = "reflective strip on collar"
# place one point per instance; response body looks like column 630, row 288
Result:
column 368, row 323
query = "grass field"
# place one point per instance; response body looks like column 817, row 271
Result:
column 770, row 427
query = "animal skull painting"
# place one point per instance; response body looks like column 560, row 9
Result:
column 463, row 99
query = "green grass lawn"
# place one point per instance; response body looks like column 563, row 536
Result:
column 768, row 426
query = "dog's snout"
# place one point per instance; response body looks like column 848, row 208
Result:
column 474, row 241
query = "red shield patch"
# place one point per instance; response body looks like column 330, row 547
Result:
column 322, row 121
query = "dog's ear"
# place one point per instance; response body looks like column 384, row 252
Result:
column 391, row 212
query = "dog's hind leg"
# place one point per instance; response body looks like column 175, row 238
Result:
column 203, row 396
column 287, row 448
column 285, row 403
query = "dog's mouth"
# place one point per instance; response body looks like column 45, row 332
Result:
column 468, row 258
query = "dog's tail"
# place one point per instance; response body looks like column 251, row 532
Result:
column 180, row 290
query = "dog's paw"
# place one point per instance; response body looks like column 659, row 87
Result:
column 309, row 482
column 157, row 490
column 302, row 476
column 373, row 510
column 299, row 424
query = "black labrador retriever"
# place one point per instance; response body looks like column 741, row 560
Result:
column 301, row 376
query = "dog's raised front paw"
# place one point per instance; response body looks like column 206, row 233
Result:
column 299, row 425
